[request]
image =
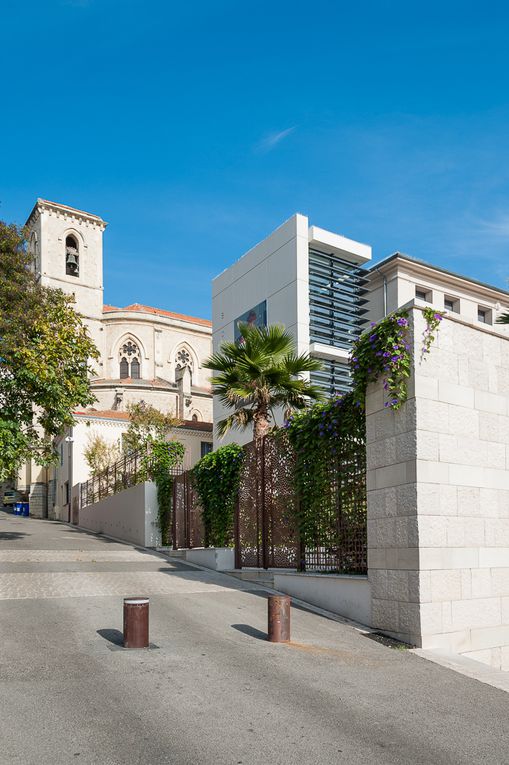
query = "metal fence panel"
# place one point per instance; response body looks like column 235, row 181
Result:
column 187, row 522
column 275, row 528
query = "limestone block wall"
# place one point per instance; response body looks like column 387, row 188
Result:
column 438, row 496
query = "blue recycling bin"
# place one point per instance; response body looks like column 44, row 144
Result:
column 17, row 508
column 25, row 509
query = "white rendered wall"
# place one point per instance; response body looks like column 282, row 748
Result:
column 111, row 431
column 130, row 516
column 438, row 497
column 276, row 270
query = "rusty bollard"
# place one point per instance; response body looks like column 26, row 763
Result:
column 136, row 622
column 279, row 618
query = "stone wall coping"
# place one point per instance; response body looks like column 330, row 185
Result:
column 495, row 330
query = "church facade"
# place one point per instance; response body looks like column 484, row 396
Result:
column 146, row 354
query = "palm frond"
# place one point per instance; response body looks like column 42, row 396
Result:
column 238, row 419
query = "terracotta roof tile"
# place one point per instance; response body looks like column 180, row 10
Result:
column 113, row 414
column 140, row 308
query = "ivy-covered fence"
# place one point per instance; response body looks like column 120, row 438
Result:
column 329, row 474
column 205, row 499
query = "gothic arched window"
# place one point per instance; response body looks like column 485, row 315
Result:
column 129, row 358
column 72, row 258
column 183, row 359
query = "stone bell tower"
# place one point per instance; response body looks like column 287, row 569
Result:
column 68, row 254
column 67, row 249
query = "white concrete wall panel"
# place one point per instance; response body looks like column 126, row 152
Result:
column 130, row 516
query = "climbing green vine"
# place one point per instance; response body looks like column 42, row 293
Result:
column 216, row 478
column 161, row 457
column 384, row 351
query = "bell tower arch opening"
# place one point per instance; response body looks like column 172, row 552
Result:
column 72, row 257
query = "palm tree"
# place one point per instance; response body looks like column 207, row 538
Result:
column 503, row 318
column 258, row 374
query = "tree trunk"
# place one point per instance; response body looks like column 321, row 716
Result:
column 260, row 425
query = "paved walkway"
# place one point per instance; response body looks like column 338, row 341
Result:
column 214, row 691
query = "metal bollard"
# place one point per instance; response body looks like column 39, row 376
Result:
column 136, row 622
column 279, row 618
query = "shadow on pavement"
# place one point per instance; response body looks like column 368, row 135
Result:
column 251, row 631
column 112, row 636
column 7, row 536
column 83, row 532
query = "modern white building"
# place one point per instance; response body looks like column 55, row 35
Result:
column 306, row 278
column 322, row 287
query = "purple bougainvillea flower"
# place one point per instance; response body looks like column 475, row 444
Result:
column 402, row 322
column 373, row 323
column 438, row 316
column 386, row 354
column 373, row 337
column 394, row 358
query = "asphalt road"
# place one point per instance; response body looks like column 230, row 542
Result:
column 213, row 690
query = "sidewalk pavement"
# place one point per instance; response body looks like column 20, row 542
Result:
column 213, row 690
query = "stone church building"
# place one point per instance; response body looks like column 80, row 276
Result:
column 146, row 354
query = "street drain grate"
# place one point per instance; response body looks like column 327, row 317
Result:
column 388, row 642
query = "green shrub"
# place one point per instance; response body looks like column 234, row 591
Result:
column 216, row 477
column 163, row 456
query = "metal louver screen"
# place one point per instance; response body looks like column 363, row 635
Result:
column 336, row 310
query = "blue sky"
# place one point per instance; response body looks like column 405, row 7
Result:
column 196, row 128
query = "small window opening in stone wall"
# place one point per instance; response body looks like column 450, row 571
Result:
column 421, row 293
column 205, row 448
column 451, row 304
column 484, row 315
column 72, row 258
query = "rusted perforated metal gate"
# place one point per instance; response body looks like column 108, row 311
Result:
column 277, row 528
column 187, row 524
column 265, row 524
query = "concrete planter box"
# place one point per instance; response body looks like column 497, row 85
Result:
column 348, row 596
column 216, row 558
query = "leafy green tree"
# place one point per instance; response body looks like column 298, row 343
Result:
column 147, row 424
column 99, row 453
column 259, row 374
column 503, row 319
column 45, row 357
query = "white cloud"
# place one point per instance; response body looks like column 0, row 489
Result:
column 272, row 140
column 497, row 227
